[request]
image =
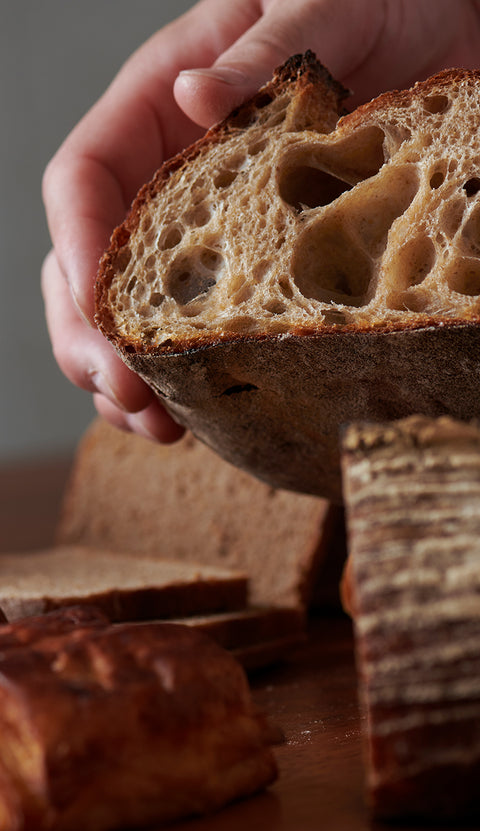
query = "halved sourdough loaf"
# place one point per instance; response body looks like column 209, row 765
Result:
column 412, row 496
column 295, row 270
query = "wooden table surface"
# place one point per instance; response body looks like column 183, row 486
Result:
column 312, row 695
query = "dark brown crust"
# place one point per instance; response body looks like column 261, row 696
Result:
column 282, row 425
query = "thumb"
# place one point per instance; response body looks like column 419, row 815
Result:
column 207, row 95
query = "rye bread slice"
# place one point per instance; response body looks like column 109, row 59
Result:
column 123, row 587
column 182, row 502
column 295, row 270
column 256, row 636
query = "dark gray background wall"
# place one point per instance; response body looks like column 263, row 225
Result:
column 56, row 58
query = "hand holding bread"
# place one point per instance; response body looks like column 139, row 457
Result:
column 89, row 185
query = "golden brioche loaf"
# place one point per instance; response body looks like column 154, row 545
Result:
column 295, row 270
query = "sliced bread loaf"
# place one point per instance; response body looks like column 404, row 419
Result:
column 412, row 493
column 182, row 502
column 296, row 270
column 125, row 588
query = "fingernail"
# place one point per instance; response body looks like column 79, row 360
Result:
column 81, row 311
column 102, row 386
column 224, row 74
column 154, row 423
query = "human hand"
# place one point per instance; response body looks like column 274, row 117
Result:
column 193, row 72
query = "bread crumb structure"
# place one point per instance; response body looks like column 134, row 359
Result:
column 317, row 267
column 370, row 222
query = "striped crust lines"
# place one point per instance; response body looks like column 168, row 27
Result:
column 412, row 495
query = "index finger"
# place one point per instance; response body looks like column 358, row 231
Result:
column 118, row 145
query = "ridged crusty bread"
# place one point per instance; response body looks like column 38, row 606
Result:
column 125, row 588
column 122, row 726
column 182, row 502
column 294, row 270
column 412, row 495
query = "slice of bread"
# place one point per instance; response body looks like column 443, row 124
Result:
column 125, row 588
column 182, row 502
column 256, row 636
column 125, row 726
column 412, row 494
column 296, row 270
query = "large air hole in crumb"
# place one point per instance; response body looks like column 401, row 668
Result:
column 464, row 277
column 156, row 299
column 243, row 295
column 224, row 178
column 257, row 147
column 329, row 266
column 285, row 288
column 470, row 237
column 316, row 176
column 435, row 104
column 171, row 238
column 275, row 307
column 418, row 258
column 414, row 301
column 359, row 156
column 211, row 259
column 452, row 215
column 185, row 286
column 411, row 264
column 198, row 216
column 472, row 186
column 193, row 277
column 437, row 179
column 260, row 269
column 308, row 187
